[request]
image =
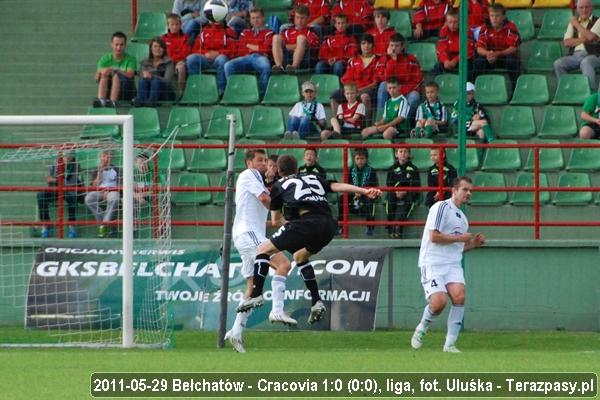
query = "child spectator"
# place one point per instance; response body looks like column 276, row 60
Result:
column 431, row 114
column 429, row 18
column 362, row 175
column 477, row 119
column 178, row 48
column 395, row 112
column 400, row 204
column 449, row 45
column 156, row 76
column 311, row 164
column 272, row 173
column 498, row 45
column 382, row 32
column 292, row 47
column 192, row 16
column 433, row 176
column 350, row 115
column 336, row 49
column 252, row 52
column 212, row 49
column 306, row 117
column 359, row 12
column 115, row 74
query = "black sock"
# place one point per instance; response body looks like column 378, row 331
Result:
column 308, row 273
column 261, row 269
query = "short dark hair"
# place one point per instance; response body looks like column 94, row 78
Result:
column 367, row 38
column 250, row 153
column 432, row 84
column 393, row 80
column 311, row 149
column 361, row 151
column 287, row 165
column 382, row 11
column 497, row 7
column 397, row 38
column 120, row 35
column 274, row 157
column 452, row 12
column 301, row 10
column 341, row 16
column 257, row 10
column 456, row 182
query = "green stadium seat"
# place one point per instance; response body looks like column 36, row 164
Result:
column 207, row 159
column 488, row 179
column 380, row 158
column 332, row 197
column 239, row 162
column 400, row 19
column 420, row 156
column 472, row 160
column 297, row 152
column 266, row 123
column 200, row 89
column 187, row 120
column 502, row 159
column 550, row 159
column 491, row 89
column 526, row 179
column 584, row 159
column 523, row 19
column 558, row 121
column 326, row 83
column 190, row 180
column 572, row 89
column 218, row 126
column 241, row 89
column 100, row 131
column 166, row 161
column 149, row 25
column 332, row 158
column 139, row 51
column 145, row 122
column 516, row 122
column 554, row 23
column 448, row 84
column 88, row 158
column 219, row 197
column 542, row 56
column 531, row 89
column 573, row 180
column 282, row 89
column 425, row 53
column 273, row 4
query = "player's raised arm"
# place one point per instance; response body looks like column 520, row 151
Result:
column 340, row 187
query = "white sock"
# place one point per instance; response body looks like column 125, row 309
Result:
column 427, row 319
column 278, row 290
column 455, row 320
column 240, row 321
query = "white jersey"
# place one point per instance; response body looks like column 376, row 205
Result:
column 250, row 213
column 446, row 218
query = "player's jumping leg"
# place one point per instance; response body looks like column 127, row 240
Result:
column 436, row 304
column 308, row 274
column 261, row 269
column 277, row 314
column 456, row 291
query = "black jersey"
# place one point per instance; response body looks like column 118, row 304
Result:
column 300, row 191
column 315, row 169
column 404, row 175
column 432, row 180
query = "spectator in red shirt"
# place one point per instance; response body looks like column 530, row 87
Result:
column 448, row 46
column 498, row 45
column 292, row 46
column 359, row 12
column 178, row 48
column 406, row 69
column 336, row 49
column 429, row 18
column 381, row 32
column 318, row 19
column 252, row 52
column 478, row 16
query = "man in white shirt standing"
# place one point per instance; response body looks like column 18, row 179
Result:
column 445, row 238
column 249, row 230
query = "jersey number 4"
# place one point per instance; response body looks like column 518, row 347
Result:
column 305, row 186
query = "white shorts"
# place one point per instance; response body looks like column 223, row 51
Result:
column 246, row 245
column 435, row 278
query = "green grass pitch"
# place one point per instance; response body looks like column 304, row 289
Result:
column 65, row 373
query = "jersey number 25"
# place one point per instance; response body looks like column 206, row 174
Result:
column 305, row 186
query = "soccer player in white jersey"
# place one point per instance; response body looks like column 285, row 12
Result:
column 445, row 238
column 249, row 228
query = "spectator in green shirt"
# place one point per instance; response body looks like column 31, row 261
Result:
column 590, row 114
column 115, row 74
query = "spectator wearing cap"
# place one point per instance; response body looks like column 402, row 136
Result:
column 307, row 116
column 477, row 119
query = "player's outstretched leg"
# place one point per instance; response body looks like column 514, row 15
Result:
column 318, row 308
column 261, row 269
column 277, row 314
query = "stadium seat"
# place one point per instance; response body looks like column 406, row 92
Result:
column 326, row 83
column 139, row 51
column 401, row 21
column 332, row 197
column 516, row 122
column 550, row 159
column 572, row 89
column 239, row 162
column 100, row 131
column 488, row 179
column 472, row 161
column 491, row 89
column 88, row 158
column 552, row 4
column 523, row 19
column 282, row 89
column 200, row 89
column 558, row 121
column 393, row 4
column 149, row 25
column 266, row 123
column 502, row 159
column 187, row 120
column 531, row 89
column 425, row 53
column 241, row 89
column 219, row 197
column 542, row 56
column 380, row 158
column 515, row 3
column 332, row 158
column 554, row 24
column 448, row 84
column 584, row 159
column 170, row 160
column 420, row 156
column 526, row 179
column 273, row 4
column 145, row 122
column 297, row 152
column 218, row 126
column 207, row 159
column 573, row 180
column 190, row 180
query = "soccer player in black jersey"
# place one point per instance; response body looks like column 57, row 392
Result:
column 306, row 227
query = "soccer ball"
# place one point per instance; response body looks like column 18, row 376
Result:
column 215, row 10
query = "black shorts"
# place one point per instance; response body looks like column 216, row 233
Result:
column 313, row 231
